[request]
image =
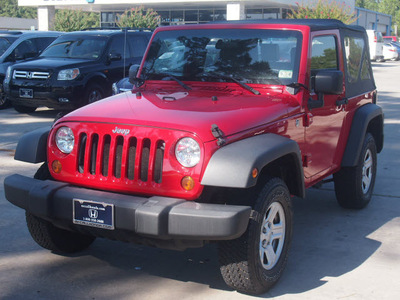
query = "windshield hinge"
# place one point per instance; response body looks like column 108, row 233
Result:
column 218, row 134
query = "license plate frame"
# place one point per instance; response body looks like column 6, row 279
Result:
column 26, row 93
column 93, row 214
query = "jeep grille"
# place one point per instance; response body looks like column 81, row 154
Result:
column 124, row 157
column 31, row 75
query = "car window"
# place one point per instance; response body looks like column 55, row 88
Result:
column 254, row 56
column 86, row 47
column 25, row 50
column 324, row 53
column 4, row 45
column 119, row 46
column 43, row 42
column 138, row 45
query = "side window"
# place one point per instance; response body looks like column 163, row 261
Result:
column 118, row 46
column 357, row 63
column 138, row 45
column 25, row 49
column 324, row 53
column 43, row 42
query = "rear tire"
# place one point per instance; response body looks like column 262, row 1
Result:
column 254, row 262
column 354, row 185
column 24, row 109
column 50, row 237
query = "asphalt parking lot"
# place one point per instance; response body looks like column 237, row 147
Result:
column 336, row 253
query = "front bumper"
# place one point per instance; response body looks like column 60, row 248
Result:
column 154, row 217
column 47, row 94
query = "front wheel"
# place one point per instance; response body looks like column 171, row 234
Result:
column 254, row 262
column 50, row 237
column 354, row 185
column 94, row 93
column 4, row 101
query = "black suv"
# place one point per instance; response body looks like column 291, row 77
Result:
column 16, row 46
column 76, row 69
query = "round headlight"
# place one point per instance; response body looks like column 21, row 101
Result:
column 65, row 139
column 187, row 152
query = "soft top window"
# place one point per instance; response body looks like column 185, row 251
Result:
column 253, row 56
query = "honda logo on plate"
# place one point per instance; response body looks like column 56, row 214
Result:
column 93, row 213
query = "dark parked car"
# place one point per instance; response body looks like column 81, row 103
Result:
column 16, row 46
column 121, row 86
column 76, row 69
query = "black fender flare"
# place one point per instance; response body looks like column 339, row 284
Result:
column 32, row 146
column 232, row 165
column 361, row 120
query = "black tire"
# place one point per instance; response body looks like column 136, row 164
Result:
column 50, row 237
column 4, row 101
column 354, row 185
column 94, row 92
column 24, row 109
column 244, row 261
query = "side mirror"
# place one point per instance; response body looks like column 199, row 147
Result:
column 114, row 56
column 329, row 82
column 133, row 70
column 326, row 82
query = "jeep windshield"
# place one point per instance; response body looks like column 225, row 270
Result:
column 86, row 47
column 248, row 56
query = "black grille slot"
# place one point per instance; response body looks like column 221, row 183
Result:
column 158, row 162
column 119, row 145
column 144, row 162
column 106, row 155
column 123, row 157
column 93, row 153
column 81, row 154
column 130, row 166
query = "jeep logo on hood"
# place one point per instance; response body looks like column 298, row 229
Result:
column 121, row 131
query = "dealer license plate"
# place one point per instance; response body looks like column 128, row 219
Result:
column 94, row 214
column 26, row 93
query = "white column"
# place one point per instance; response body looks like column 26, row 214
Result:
column 235, row 11
column 46, row 16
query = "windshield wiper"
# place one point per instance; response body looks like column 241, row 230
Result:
column 172, row 77
column 242, row 84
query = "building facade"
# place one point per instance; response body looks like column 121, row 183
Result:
column 171, row 11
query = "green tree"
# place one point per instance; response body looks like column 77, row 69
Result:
column 75, row 20
column 139, row 18
column 368, row 4
column 10, row 8
column 323, row 9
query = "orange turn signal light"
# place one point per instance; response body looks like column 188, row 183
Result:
column 187, row 183
column 254, row 173
column 56, row 166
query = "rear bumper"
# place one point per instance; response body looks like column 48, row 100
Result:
column 154, row 217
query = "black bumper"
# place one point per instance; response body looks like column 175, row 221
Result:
column 155, row 217
column 47, row 95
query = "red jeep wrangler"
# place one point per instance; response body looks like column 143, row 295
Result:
column 226, row 121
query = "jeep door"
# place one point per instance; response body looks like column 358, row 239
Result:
column 326, row 122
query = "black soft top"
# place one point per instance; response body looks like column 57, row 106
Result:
column 314, row 24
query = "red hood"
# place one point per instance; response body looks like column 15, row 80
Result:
column 193, row 111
